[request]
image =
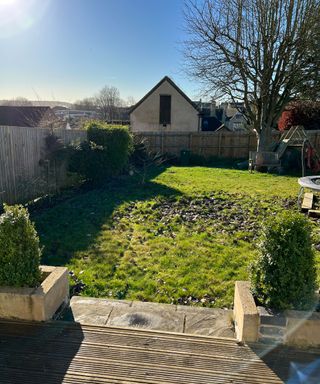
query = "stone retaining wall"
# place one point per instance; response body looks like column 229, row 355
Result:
column 36, row 304
column 298, row 328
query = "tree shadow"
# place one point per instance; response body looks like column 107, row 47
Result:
column 290, row 364
column 74, row 224
column 38, row 352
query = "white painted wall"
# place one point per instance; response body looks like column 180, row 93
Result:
column 145, row 118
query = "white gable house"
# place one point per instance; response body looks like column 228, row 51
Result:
column 165, row 109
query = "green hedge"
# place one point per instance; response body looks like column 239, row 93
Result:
column 19, row 249
column 104, row 155
column 284, row 276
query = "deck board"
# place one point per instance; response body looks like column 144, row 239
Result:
column 70, row 353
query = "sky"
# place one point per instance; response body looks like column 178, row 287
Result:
column 69, row 49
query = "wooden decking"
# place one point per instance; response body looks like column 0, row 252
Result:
column 62, row 352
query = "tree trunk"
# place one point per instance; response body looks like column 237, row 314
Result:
column 264, row 139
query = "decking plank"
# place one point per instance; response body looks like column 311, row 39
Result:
column 69, row 353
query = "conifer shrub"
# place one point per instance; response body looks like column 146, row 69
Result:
column 19, row 249
column 284, row 275
column 104, row 154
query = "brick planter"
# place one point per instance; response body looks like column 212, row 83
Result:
column 37, row 304
column 252, row 323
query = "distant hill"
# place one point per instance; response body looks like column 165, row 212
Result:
column 37, row 103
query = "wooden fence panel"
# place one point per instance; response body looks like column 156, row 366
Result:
column 211, row 144
column 207, row 144
column 21, row 148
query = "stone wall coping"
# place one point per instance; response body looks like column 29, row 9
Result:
column 296, row 314
column 244, row 289
column 246, row 317
column 47, row 284
column 44, row 287
column 310, row 315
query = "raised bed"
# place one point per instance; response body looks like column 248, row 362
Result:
column 38, row 304
column 254, row 323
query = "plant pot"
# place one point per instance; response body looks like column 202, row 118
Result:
column 36, row 304
column 255, row 323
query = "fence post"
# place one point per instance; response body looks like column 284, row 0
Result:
column 219, row 145
column 162, row 144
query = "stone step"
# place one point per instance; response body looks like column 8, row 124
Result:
column 151, row 316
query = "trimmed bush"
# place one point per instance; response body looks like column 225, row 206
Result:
column 284, row 276
column 104, row 155
column 19, row 249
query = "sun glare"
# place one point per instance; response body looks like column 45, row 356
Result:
column 19, row 15
column 7, row 2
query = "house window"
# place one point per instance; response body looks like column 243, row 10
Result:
column 165, row 109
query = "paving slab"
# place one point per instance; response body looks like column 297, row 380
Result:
column 151, row 316
column 86, row 310
column 216, row 322
column 193, row 309
column 147, row 318
column 153, row 306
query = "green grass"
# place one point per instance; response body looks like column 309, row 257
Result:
column 199, row 180
column 183, row 237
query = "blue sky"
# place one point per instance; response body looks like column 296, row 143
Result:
column 69, row 49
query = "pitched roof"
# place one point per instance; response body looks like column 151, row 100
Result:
column 222, row 127
column 166, row 78
column 24, row 116
column 210, row 123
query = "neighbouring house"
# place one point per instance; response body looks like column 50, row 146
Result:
column 67, row 113
column 210, row 123
column 233, row 116
column 165, row 108
column 230, row 116
column 237, row 123
column 26, row 116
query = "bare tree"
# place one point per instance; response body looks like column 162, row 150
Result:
column 87, row 104
column 107, row 102
column 264, row 52
column 130, row 101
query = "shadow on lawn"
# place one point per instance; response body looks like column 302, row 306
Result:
column 73, row 224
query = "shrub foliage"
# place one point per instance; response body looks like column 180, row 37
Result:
column 104, row 155
column 303, row 112
column 284, row 276
column 19, row 249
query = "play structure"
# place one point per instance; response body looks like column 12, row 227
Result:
column 295, row 137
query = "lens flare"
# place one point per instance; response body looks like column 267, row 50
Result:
column 19, row 15
column 7, row 2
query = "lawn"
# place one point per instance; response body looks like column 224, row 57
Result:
column 182, row 237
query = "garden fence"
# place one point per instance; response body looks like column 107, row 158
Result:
column 25, row 171
column 211, row 144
